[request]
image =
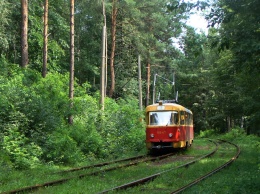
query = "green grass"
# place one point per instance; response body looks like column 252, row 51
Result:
column 243, row 174
column 111, row 179
column 11, row 179
column 180, row 177
column 241, row 177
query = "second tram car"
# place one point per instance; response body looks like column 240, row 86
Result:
column 168, row 125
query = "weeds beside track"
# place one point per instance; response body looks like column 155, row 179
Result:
column 212, row 171
column 111, row 166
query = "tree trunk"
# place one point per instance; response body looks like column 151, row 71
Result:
column 228, row 123
column 24, row 33
column 113, row 47
column 45, row 42
column 71, row 84
column 104, row 61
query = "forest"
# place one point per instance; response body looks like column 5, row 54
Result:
column 54, row 54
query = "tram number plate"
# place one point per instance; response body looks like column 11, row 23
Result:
column 161, row 132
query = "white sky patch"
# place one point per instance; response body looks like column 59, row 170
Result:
column 198, row 22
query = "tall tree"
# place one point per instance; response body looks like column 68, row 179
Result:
column 71, row 83
column 240, row 35
column 5, row 20
column 113, row 45
column 24, row 33
column 45, row 42
column 144, row 27
column 159, row 23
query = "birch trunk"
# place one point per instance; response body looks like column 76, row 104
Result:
column 24, row 33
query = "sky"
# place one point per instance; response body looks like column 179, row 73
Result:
column 197, row 20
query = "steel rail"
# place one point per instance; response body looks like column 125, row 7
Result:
column 127, row 165
column 60, row 181
column 101, row 164
column 211, row 172
column 150, row 178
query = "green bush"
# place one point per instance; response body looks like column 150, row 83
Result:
column 207, row 133
column 60, row 148
column 122, row 127
column 235, row 133
column 89, row 141
column 23, row 153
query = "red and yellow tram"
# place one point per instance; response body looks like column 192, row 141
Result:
column 168, row 125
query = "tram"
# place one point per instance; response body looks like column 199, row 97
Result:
column 168, row 125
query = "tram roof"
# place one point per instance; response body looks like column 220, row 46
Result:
column 166, row 106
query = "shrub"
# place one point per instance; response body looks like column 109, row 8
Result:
column 61, row 148
column 89, row 141
column 235, row 133
column 23, row 153
column 207, row 133
column 122, row 127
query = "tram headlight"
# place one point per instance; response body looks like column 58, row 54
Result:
column 152, row 135
column 170, row 135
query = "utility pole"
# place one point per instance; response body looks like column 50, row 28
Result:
column 154, row 83
column 165, row 80
column 103, row 64
column 140, row 82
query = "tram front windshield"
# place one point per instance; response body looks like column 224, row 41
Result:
column 163, row 118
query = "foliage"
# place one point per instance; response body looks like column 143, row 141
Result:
column 33, row 118
column 207, row 133
column 61, row 148
column 122, row 127
column 22, row 152
column 238, row 37
column 4, row 38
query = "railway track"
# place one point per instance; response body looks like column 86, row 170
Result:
column 215, row 170
column 182, row 188
column 100, row 172
column 112, row 165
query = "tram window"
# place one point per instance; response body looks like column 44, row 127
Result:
column 182, row 118
column 163, row 118
column 174, row 118
column 189, row 119
column 186, row 118
column 153, row 118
